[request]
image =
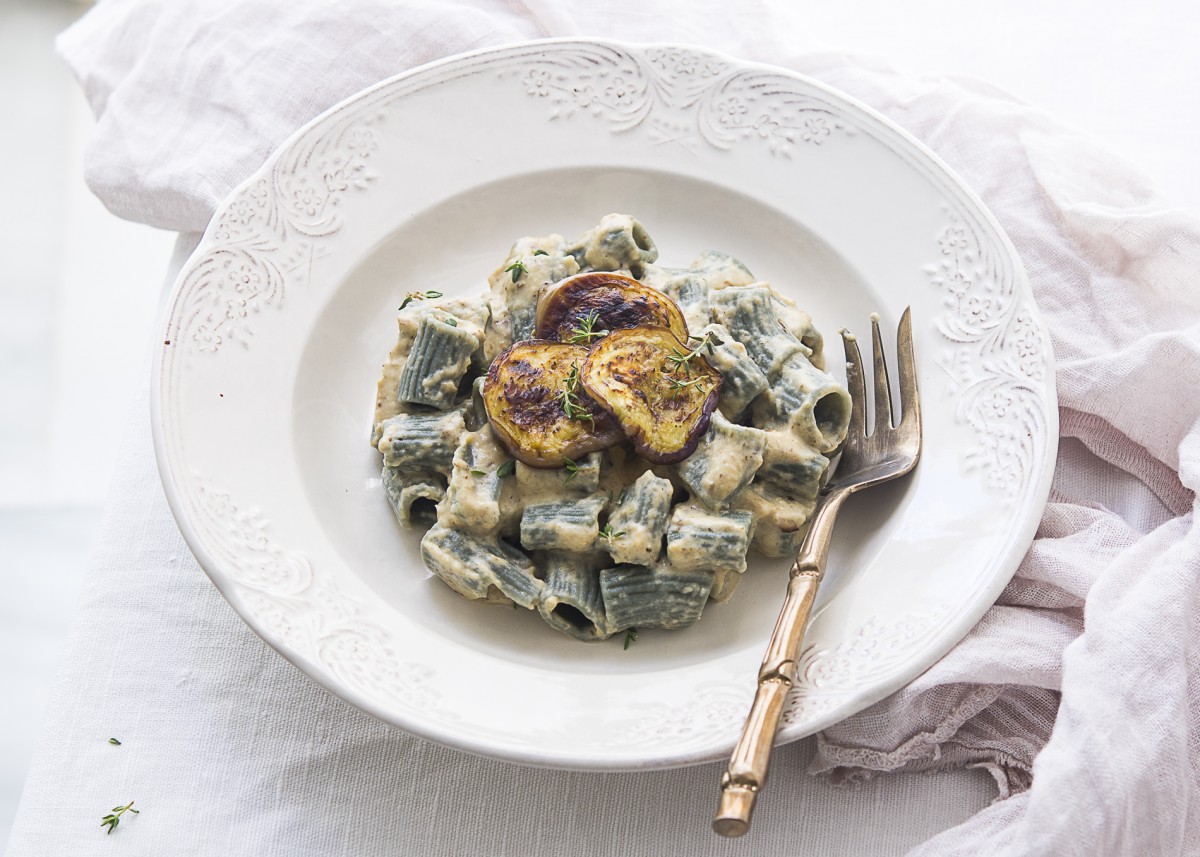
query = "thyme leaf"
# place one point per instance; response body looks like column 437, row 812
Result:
column 679, row 361
column 630, row 636
column 708, row 341
column 517, row 268
column 114, row 818
column 677, row 385
column 419, row 296
column 608, row 534
column 507, row 468
column 585, row 329
column 568, row 397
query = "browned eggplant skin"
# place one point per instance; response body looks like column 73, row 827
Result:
column 635, row 363
column 618, row 301
column 521, row 395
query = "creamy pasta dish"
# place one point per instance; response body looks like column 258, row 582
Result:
column 602, row 440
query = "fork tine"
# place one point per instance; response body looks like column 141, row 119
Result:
column 854, row 383
column 883, row 392
column 910, row 401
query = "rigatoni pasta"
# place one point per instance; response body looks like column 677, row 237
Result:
column 609, row 540
column 571, row 599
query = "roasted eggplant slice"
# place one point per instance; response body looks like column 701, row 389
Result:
column 584, row 308
column 539, row 410
column 660, row 391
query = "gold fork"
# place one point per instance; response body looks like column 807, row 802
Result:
column 867, row 460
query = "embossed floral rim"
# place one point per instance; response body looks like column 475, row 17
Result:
column 267, row 236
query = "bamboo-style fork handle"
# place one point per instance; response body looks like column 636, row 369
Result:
column 747, row 771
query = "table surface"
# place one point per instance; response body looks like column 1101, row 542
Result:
column 1123, row 73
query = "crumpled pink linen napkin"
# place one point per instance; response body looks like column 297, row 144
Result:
column 1080, row 690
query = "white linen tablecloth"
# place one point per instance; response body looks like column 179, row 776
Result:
column 1079, row 692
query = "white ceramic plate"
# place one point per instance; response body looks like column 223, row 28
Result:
column 281, row 318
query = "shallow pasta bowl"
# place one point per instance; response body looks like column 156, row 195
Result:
column 281, row 317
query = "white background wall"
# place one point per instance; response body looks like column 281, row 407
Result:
column 79, row 289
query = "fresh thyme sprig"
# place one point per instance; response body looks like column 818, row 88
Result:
column 568, row 397
column 113, row 819
column 572, row 469
column 677, row 385
column 630, row 636
column 607, row 533
column 681, row 361
column 517, row 268
column 419, row 296
column 585, row 330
